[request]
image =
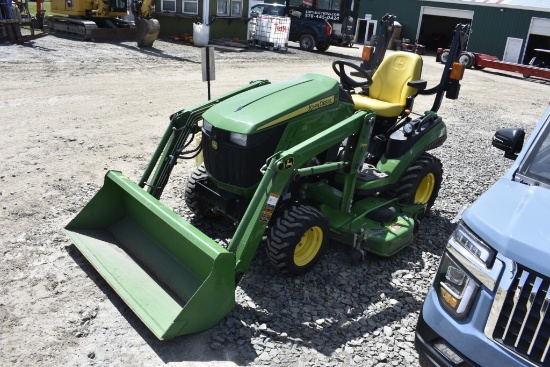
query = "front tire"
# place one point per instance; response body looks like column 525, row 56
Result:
column 420, row 183
column 307, row 42
column 297, row 239
column 194, row 202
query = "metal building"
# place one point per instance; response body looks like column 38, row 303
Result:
column 508, row 29
column 226, row 18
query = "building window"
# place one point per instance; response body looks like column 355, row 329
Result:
column 190, row 6
column 224, row 10
column 168, row 6
column 236, row 8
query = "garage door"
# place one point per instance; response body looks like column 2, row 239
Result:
column 540, row 26
column 443, row 12
column 436, row 25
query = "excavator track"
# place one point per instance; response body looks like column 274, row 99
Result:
column 102, row 30
column 70, row 27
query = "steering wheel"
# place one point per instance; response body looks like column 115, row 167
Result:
column 348, row 82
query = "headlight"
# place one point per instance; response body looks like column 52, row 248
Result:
column 465, row 238
column 239, row 139
column 207, row 126
column 455, row 287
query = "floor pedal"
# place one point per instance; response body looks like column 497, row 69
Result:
column 370, row 173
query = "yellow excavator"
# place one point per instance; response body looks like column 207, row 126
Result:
column 103, row 21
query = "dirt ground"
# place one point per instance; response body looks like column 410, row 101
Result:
column 73, row 110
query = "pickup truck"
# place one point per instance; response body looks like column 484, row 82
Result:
column 310, row 33
column 488, row 304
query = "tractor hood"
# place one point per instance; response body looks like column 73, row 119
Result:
column 509, row 218
column 270, row 105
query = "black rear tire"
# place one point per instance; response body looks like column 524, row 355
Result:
column 307, row 42
column 297, row 239
column 420, row 183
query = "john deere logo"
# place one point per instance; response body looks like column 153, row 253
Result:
column 214, row 144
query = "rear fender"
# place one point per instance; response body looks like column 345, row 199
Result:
column 402, row 150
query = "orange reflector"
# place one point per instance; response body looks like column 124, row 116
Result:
column 457, row 71
column 448, row 297
column 367, row 53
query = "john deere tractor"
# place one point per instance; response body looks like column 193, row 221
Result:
column 304, row 162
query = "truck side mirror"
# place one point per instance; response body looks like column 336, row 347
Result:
column 510, row 140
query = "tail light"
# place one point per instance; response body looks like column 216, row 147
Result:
column 329, row 29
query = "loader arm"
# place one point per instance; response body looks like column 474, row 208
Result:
column 287, row 165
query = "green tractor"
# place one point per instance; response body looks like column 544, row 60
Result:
column 302, row 162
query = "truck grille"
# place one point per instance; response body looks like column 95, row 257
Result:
column 523, row 324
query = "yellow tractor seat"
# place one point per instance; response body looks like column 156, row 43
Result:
column 389, row 89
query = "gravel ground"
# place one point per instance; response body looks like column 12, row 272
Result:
column 72, row 110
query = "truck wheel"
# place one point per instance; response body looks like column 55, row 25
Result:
column 420, row 183
column 297, row 239
column 307, row 42
column 322, row 48
column 196, row 204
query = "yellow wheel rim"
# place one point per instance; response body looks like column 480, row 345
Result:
column 425, row 189
column 309, row 246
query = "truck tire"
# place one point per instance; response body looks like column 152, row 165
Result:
column 198, row 206
column 420, row 183
column 297, row 239
column 307, row 42
column 322, row 48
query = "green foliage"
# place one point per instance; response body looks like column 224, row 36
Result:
column 47, row 5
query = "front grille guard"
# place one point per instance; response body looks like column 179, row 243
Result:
column 519, row 319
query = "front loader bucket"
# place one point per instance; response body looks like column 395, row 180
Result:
column 176, row 279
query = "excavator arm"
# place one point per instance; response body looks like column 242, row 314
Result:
column 146, row 8
column 147, row 28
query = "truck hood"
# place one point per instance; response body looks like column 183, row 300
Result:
column 273, row 104
column 513, row 219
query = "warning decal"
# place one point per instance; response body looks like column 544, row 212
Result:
column 269, row 207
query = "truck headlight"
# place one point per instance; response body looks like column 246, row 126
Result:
column 455, row 287
column 239, row 139
column 207, row 126
column 464, row 237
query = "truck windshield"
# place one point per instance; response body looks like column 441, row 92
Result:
column 535, row 167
